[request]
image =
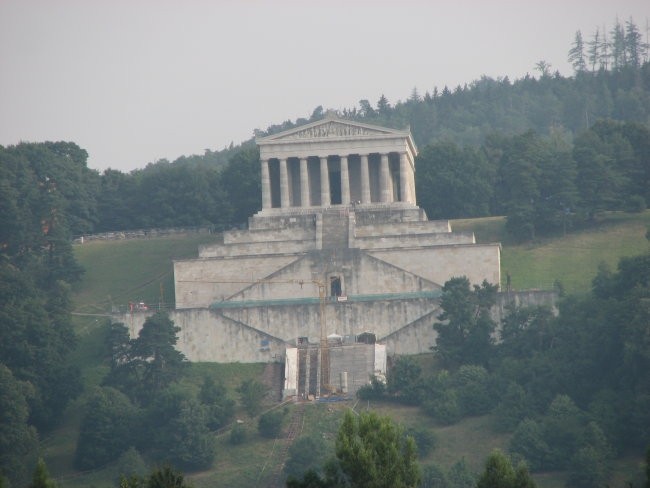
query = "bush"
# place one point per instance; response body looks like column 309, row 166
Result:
column 238, row 434
column 443, row 407
column 130, row 464
column 270, row 424
column 528, row 442
column 433, row 477
column 473, row 393
column 252, row 393
column 106, row 430
column 304, row 454
column 374, row 391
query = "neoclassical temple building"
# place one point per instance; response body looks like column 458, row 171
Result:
column 333, row 162
column 339, row 249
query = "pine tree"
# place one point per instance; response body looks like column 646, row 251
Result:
column 633, row 44
column 577, row 54
column 619, row 46
column 594, row 49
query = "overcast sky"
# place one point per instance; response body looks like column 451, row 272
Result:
column 135, row 81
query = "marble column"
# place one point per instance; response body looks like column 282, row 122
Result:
column 284, row 184
column 345, row 181
column 324, row 183
column 266, row 184
column 404, row 178
column 413, row 200
column 383, row 179
column 365, row 179
column 304, row 184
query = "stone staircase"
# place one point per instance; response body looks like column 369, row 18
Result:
column 335, row 229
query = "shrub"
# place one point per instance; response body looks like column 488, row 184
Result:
column 238, row 434
column 270, row 424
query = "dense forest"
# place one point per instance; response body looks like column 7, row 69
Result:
column 549, row 152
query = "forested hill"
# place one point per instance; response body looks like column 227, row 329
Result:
column 544, row 103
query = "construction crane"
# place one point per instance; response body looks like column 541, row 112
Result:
column 325, row 385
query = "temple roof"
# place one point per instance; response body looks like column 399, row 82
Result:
column 333, row 128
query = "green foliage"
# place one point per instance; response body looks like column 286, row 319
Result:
column 106, row 430
column 374, row 391
column 465, row 328
column 512, row 408
column 252, row 393
column 18, row 440
column 145, row 366
column 165, row 477
column 404, row 380
column 473, row 388
column 373, row 451
column 241, row 180
column 37, row 340
column 41, row 477
column 528, row 442
column 499, row 473
column 187, row 442
column 238, row 434
column 441, row 401
column 453, row 182
column 270, row 423
column 433, row 476
column 460, row 476
column 220, row 408
column 130, row 464
column 305, row 453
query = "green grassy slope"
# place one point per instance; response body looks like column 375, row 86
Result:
column 131, row 270
column 572, row 259
column 121, row 271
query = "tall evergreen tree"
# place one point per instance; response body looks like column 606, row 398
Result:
column 577, row 54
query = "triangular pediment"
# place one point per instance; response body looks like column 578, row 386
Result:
column 332, row 128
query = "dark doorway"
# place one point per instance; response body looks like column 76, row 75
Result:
column 335, row 286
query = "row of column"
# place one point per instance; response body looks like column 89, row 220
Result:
column 384, row 179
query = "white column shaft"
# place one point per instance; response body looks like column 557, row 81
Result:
column 304, row 184
column 365, row 179
column 383, row 179
column 266, row 184
column 284, row 184
column 413, row 200
column 404, row 178
column 324, row 183
column 345, row 181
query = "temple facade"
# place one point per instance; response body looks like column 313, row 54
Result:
column 339, row 250
column 334, row 162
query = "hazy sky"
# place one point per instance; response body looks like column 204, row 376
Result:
column 139, row 80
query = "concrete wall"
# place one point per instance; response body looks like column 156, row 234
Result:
column 413, row 240
column 259, row 334
column 478, row 262
column 257, row 248
column 268, row 235
column 399, row 228
column 200, row 282
column 524, row 298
